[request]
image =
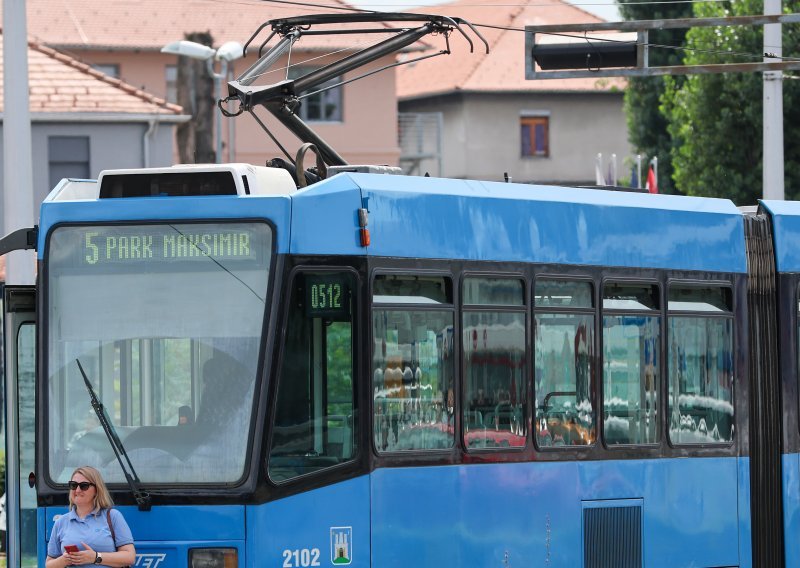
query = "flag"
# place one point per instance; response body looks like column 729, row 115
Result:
column 598, row 170
column 634, row 177
column 611, row 179
column 652, row 182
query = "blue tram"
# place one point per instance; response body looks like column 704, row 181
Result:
column 504, row 375
column 342, row 368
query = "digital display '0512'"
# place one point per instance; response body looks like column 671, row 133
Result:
column 328, row 297
column 127, row 245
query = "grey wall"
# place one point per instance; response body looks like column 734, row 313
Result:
column 482, row 134
column 111, row 146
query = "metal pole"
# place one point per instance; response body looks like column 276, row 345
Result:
column 218, row 77
column 231, row 123
column 599, row 178
column 655, row 169
column 613, row 165
column 18, row 171
column 638, row 171
column 772, row 163
column 439, row 145
column 18, row 214
column 13, row 552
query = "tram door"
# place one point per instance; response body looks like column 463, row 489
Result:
column 19, row 307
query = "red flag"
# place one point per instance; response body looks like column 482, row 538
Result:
column 652, row 183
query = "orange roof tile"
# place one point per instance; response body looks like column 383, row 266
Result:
column 503, row 69
column 59, row 83
column 150, row 24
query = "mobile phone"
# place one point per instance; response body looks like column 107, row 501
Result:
column 71, row 548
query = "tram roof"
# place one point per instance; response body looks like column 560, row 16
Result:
column 479, row 220
column 417, row 217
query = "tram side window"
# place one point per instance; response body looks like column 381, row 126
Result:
column 316, row 418
column 493, row 343
column 412, row 363
column 631, row 363
column 564, row 363
column 700, row 351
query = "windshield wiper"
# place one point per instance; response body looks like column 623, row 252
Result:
column 142, row 497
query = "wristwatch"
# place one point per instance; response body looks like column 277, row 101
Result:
column 97, row 558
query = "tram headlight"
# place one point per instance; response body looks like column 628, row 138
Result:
column 213, row 558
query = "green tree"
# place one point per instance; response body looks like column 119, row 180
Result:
column 647, row 126
column 716, row 121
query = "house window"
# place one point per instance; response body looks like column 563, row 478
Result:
column 171, row 80
column 68, row 157
column 535, row 135
column 325, row 106
column 110, row 69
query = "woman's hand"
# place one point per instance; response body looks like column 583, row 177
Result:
column 85, row 556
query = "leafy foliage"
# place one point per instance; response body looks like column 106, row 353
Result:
column 340, row 368
column 716, row 121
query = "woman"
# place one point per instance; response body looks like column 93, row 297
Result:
column 92, row 533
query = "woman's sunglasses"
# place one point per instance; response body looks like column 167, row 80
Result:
column 84, row 485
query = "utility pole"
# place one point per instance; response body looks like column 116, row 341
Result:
column 773, row 175
column 18, row 171
column 18, row 214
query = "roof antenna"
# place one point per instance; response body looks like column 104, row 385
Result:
column 506, row 177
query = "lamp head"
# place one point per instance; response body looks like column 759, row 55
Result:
column 230, row 51
column 189, row 49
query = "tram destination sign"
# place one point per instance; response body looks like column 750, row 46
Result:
column 168, row 243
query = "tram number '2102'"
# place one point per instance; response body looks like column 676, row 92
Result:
column 303, row 557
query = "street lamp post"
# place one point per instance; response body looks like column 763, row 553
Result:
column 227, row 52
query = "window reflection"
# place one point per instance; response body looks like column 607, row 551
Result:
column 700, row 380
column 564, row 363
column 564, row 380
column 494, row 372
column 631, row 370
column 494, row 292
column 412, row 366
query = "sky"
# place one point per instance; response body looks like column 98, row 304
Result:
column 606, row 9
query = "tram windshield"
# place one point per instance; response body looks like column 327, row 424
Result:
column 166, row 319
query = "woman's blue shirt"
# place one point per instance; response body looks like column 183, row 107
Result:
column 92, row 529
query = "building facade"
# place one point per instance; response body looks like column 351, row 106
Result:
column 83, row 122
column 495, row 123
column 359, row 119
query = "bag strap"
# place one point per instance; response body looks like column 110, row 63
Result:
column 111, row 527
